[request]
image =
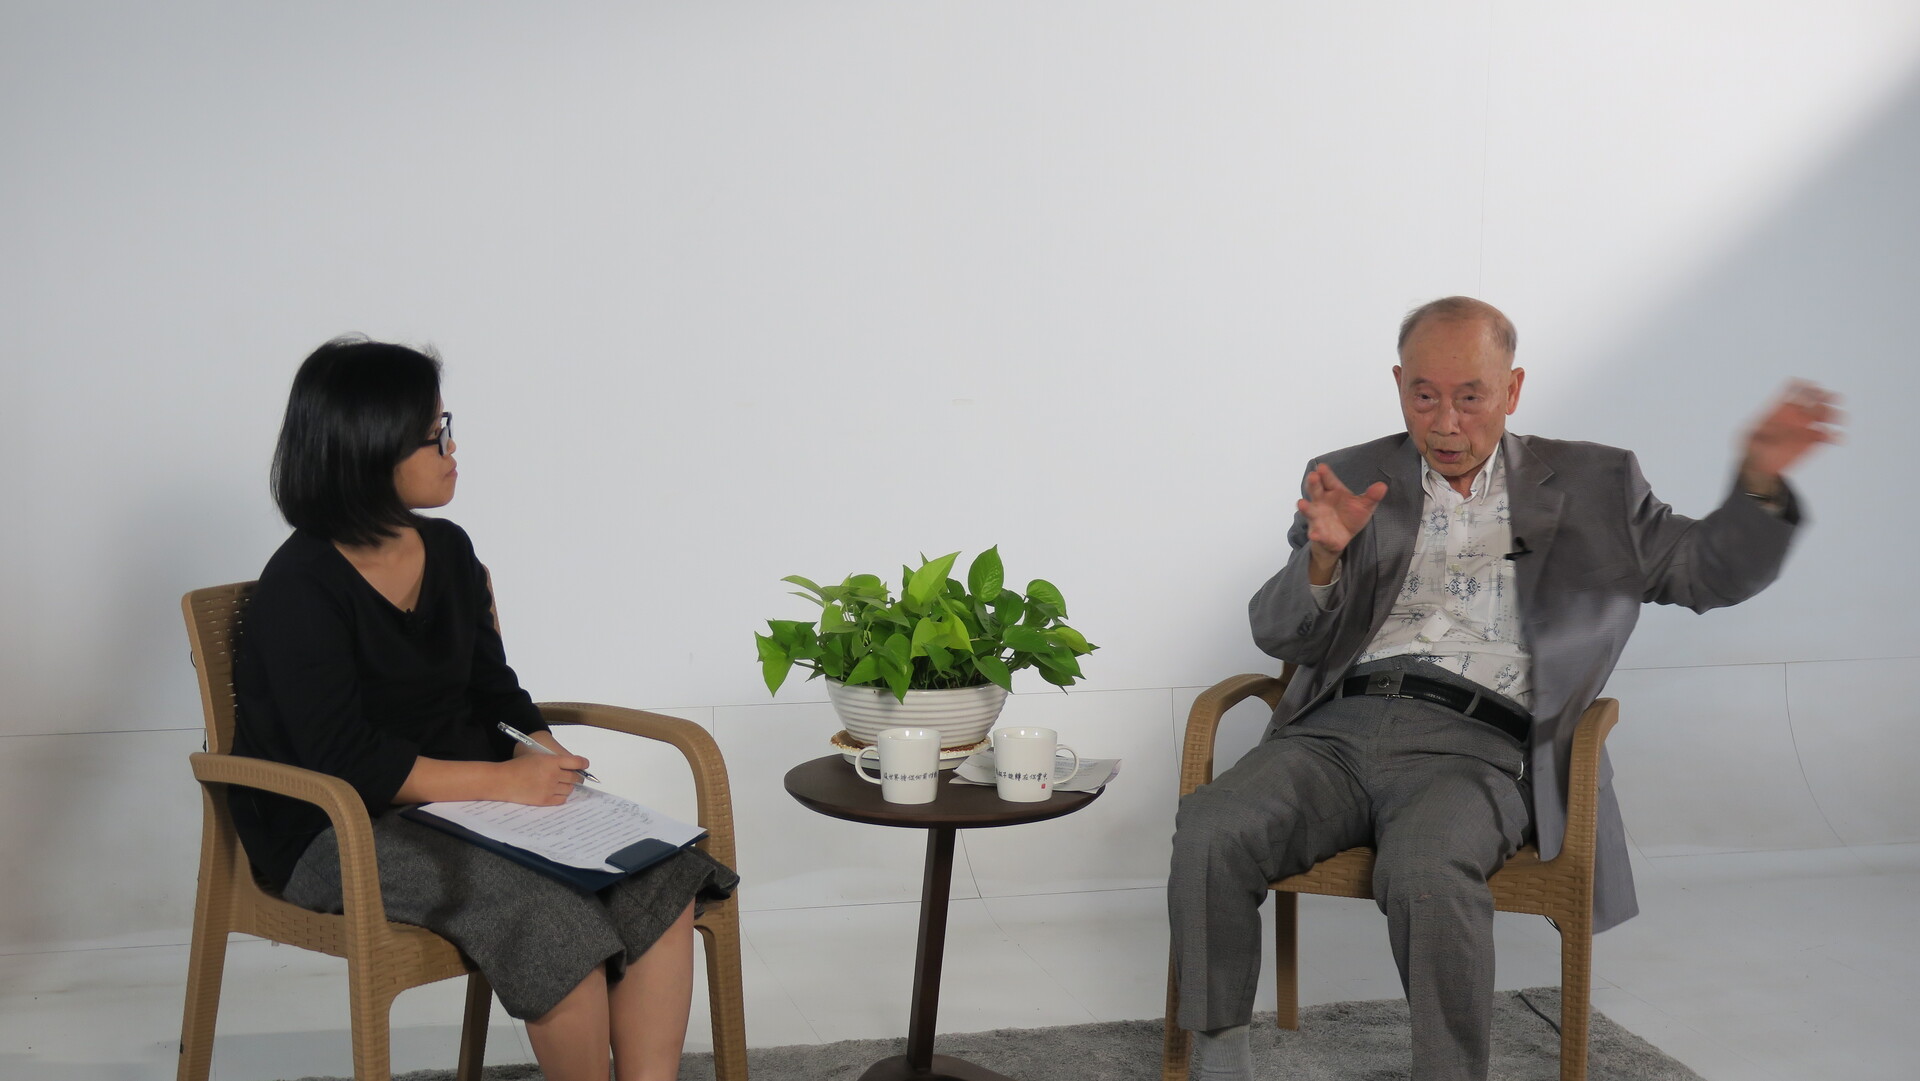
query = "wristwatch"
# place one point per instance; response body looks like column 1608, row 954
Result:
column 1774, row 503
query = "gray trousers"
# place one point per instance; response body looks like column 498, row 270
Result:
column 1438, row 796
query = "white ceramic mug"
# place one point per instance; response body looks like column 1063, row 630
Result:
column 1024, row 763
column 909, row 764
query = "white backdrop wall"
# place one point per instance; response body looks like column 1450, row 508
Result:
column 728, row 291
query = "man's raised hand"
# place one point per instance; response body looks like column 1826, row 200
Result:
column 1804, row 417
column 1335, row 515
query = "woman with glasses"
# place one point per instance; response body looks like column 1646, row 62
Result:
column 370, row 653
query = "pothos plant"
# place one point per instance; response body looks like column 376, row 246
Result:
column 937, row 634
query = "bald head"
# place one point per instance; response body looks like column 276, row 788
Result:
column 1457, row 384
column 1461, row 310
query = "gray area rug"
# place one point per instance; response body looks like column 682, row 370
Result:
column 1342, row 1041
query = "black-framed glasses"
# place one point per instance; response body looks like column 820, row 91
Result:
column 442, row 438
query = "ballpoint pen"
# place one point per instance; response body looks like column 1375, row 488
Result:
column 522, row 737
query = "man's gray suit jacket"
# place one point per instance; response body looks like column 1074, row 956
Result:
column 1599, row 544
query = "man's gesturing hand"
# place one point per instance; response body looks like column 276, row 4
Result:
column 1334, row 516
column 1804, row 417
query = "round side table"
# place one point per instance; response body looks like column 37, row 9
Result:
column 827, row 785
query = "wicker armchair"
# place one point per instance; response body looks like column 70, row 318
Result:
column 385, row 958
column 1560, row 889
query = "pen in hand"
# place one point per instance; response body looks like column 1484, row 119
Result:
column 522, row 737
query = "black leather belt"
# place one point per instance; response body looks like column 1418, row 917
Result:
column 1404, row 685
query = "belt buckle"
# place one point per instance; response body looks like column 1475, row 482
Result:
column 1386, row 683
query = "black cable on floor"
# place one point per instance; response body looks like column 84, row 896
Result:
column 1551, row 1023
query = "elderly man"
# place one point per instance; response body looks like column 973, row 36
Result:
column 1455, row 597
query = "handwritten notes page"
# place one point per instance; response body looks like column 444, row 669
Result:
column 581, row 832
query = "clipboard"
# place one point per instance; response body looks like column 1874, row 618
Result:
column 635, row 857
column 571, row 847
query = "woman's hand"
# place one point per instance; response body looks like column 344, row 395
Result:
column 541, row 780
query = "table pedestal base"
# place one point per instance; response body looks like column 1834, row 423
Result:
column 944, row 1068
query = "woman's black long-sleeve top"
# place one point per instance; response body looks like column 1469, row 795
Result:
column 331, row 676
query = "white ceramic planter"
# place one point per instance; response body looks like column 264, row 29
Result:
column 963, row 715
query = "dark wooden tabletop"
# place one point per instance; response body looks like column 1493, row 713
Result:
column 828, row 785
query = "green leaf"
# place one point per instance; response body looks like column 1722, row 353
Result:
column 774, row 671
column 867, row 671
column 928, row 581
column 833, row 655
column 954, row 634
column 1058, row 679
column 768, row 649
column 1009, row 608
column 927, row 630
column 985, row 617
column 805, row 584
column 942, row 658
column 1074, row 639
column 774, row 662
column 963, row 617
column 1026, row 639
column 898, row 676
column 985, row 576
column 802, row 643
column 996, row 670
column 898, row 650
column 1062, row 663
column 1044, row 592
column 833, row 620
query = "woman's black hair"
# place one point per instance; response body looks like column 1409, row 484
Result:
column 357, row 409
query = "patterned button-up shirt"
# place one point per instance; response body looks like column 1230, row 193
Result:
column 1458, row 607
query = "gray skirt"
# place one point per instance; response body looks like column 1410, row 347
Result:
column 534, row 938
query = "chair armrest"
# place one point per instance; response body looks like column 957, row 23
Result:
column 1583, row 775
column 711, row 790
column 1203, row 720
column 352, row 827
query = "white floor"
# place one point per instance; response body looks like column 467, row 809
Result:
column 1779, row 966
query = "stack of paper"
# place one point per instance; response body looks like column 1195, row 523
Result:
column 592, row 840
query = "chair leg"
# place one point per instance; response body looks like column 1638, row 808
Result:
column 206, row 964
column 207, row 956
column 370, row 1010
column 1286, row 959
column 473, row 1031
column 719, row 927
column 1576, row 996
column 1176, row 1047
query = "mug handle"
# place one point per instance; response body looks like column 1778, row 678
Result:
column 862, row 757
column 1055, row 782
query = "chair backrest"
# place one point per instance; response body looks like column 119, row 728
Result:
column 215, row 622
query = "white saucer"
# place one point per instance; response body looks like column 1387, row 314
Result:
column 950, row 757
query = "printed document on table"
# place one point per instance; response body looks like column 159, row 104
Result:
column 581, row 832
